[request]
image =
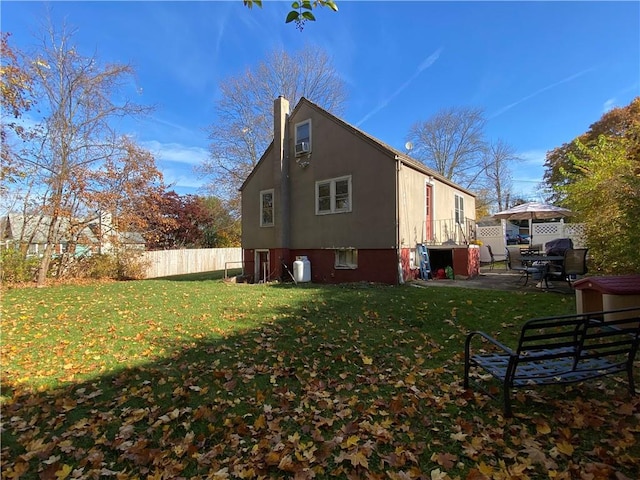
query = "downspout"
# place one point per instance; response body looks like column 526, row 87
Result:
column 397, row 212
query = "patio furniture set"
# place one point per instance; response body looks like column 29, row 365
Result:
column 559, row 261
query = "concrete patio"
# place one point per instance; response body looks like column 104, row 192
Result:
column 497, row 279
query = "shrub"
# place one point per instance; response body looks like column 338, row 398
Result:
column 124, row 265
column 16, row 267
column 101, row 266
column 130, row 265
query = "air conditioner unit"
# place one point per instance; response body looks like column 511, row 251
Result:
column 302, row 147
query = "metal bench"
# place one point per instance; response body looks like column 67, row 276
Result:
column 558, row 350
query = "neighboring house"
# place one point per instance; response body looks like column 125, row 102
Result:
column 354, row 206
column 93, row 235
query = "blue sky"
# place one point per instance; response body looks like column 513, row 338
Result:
column 542, row 71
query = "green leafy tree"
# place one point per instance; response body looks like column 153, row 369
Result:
column 301, row 11
column 616, row 123
column 224, row 230
column 603, row 189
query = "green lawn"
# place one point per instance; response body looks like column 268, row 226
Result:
column 198, row 378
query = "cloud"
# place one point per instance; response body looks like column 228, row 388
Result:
column 527, row 175
column 533, row 158
column 541, row 90
column 179, row 178
column 608, row 105
column 176, row 152
column 426, row 63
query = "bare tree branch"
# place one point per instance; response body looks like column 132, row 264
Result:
column 452, row 143
column 244, row 124
column 75, row 151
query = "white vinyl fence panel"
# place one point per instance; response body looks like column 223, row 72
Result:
column 542, row 233
column 163, row 263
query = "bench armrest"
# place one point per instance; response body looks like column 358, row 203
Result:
column 489, row 338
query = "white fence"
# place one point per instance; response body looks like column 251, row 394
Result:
column 163, row 263
column 542, row 233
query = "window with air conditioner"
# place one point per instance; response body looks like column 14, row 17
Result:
column 303, row 137
column 333, row 195
column 266, row 208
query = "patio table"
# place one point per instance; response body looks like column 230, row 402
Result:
column 542, row 258
column 543, row 283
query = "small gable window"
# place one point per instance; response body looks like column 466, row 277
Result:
column 303, row 137
column 266, row 208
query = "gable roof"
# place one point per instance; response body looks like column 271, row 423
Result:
column 35, row 228
column 385, row 148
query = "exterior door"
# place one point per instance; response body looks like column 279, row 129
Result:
column 261, row 273
column 428, row 223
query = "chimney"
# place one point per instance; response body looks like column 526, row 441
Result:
column 280, row 114
column 281, row 170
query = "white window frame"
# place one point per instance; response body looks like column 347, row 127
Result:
column 459, row 209
column 349, row 260
column 262, row 207
column 414, row 259
column 332, row 195
column 305, row 139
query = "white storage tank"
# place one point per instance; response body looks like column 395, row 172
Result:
column 302, row 269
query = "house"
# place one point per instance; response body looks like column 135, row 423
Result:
column 84, row 236
column 354, row 206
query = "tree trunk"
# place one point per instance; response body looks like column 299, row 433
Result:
column 43, row 268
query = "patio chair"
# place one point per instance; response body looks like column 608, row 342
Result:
column 574, row 263
column 485, row 256
column 493, row 258
column 517, row 263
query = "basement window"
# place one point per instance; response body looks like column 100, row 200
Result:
column 346, row 258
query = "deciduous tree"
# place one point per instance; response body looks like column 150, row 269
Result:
column 452, row 143
column 78, row 159
column 16, row 87
column 301, row 10
column 224, row 229
column 616, row 123
column 499, row 158
column 244, row 125
column 603, row 189
column 597, row 175
column 192, row 221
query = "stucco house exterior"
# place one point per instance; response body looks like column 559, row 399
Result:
column 354, row 206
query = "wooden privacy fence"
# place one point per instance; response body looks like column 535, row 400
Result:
column 163, row 263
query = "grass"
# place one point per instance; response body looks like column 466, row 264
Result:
column 200, row 378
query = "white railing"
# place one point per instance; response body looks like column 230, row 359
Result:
column 449, row 232
column 163, row 263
